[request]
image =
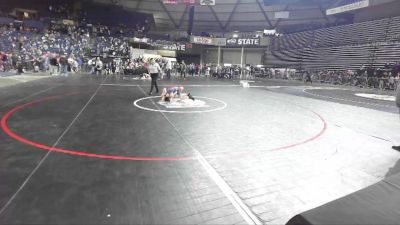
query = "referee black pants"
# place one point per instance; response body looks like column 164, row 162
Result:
column 154, row 77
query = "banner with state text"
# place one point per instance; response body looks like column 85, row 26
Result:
column 243, row 42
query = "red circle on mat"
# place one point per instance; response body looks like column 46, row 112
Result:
column 20, row 138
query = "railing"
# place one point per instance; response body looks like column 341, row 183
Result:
column 382, row 83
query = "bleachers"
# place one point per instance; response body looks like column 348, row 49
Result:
column 296, row 40
column 359, row 33
column 336, row 58
column 394, row 32
column 372, row 31
column 339, row 48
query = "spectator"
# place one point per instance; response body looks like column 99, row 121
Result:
column 398, row 105
column 168, row 68
column 63, row 63
column 98, row 66
column 183, row 68
column 207, row 71
column 192, row 69
column 53, row 65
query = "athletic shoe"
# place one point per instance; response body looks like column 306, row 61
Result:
column 150, row 93
column 190, row 96
column 396, row 148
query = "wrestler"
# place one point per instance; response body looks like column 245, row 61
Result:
column 174, row 92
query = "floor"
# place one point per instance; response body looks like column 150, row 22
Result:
column 9, row 78
column 99, row 150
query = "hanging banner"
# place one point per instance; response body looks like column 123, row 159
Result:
column 68, row 22
column 170, row 2
column 208, row 41
column 140, row 40
column 349, row 7
column 219, row 41
column 175, row 2
column 243, row 42
column 201, row 40
column 189, row 2
column 174, row 47
column 207, row 2
column 171, row 46
column 189, row 45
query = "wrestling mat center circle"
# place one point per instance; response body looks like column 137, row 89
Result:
column 200, row 105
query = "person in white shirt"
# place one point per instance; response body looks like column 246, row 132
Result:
column 207, row 71
column 99, row 66
column 154, row 69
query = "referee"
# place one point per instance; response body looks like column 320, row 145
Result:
column 398, row 105
column 154, row 69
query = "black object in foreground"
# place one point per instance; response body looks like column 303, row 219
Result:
column 376, row 204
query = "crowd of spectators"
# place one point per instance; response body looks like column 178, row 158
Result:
column 63, row 40
column 387, row 77
column 64, row 48
column 33, row 50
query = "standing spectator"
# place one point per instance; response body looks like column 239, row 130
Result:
column 197, row 66
column 168, row 68
column 219, row 70
column 14, row 60
column 118, row 65
column 392, row 83
column 154, row 69
column 207, row 71
column 20, row 67
column 53, row 65
column 63, row 65
column 98, row 66
column 36, row 64
column 183, row 69
column 162, row 66
column 398, row 105
column 79, row 60
column 177, row 68
column 252, row 71
column 3, row 60
column 192, row 69
column 307, row 77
